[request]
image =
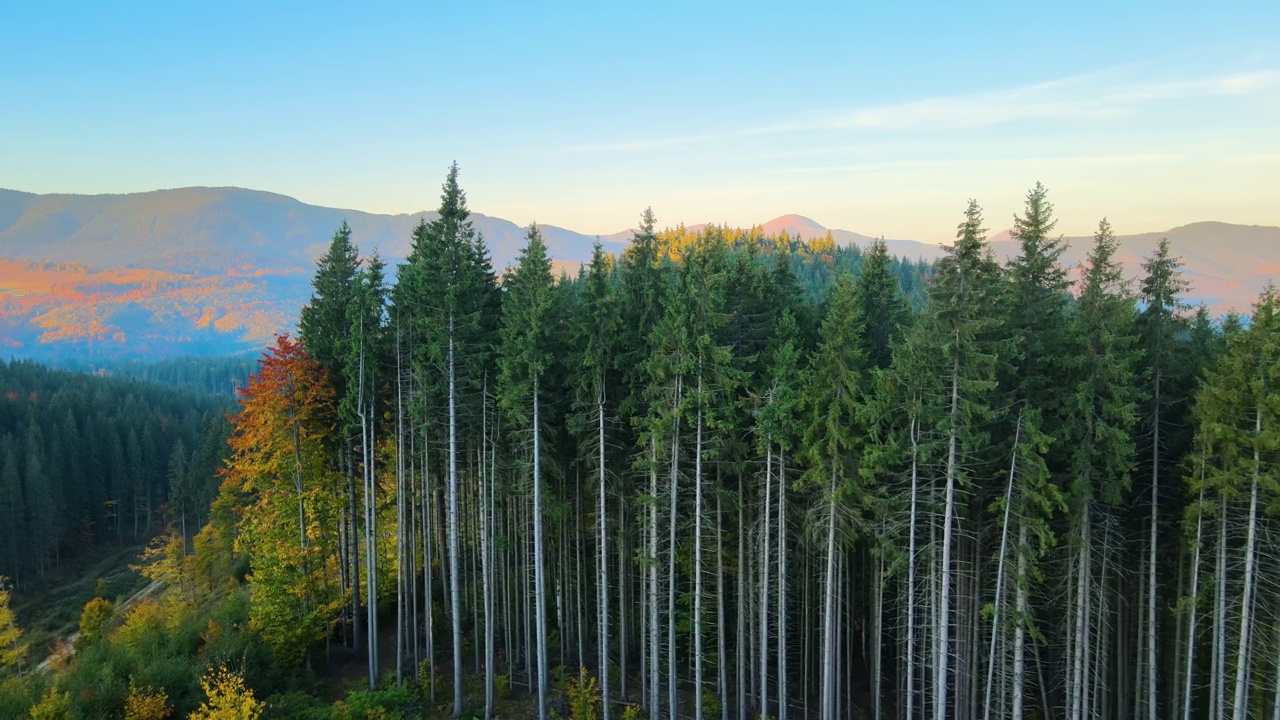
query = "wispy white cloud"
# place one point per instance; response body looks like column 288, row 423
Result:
column 1083, row 98
column 1064, row 161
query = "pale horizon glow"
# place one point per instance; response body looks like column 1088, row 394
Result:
column 882, row 122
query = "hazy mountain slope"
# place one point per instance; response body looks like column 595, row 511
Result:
column 207, row 270
column 1227, row 265
column 207, row 230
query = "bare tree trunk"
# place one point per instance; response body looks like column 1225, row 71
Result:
column 1241, row 709
column 877, row 640
column 910, row 689
column 672, row 676
column 486, row 551
column 722, row 630
column 829, row 609
column 624, row 587
column 764, row 584
column 654, row 705
column 401, row 521
column 603, row 583
column 455, row 608
column 428, row 584
column 1019, row 629
column 944, row 601
column 697, row 560
column 1188, row 679
column 996, row 618
column 740, row 642
column 1218, row 681
column 1151, row 558
column 782, row 588
column 539, row 591
column 1080, row 615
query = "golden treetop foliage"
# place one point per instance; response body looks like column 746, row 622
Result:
column 228, row 698
column 146, row 704
column 94, row 621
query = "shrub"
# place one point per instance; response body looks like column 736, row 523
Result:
column 143, row 628
column 94, row 621
column 710, row 704
column 54, row 706
column 584, row 697
column 384, row 704
column 146, row 704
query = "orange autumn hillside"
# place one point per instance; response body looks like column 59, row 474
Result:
column 87, row 311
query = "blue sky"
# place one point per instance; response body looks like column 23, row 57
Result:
column 882, row 119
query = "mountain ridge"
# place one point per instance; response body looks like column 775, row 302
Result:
column 213, row 265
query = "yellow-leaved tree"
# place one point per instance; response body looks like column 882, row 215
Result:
column 228, row 698
column 12, row 648
column 95, row 620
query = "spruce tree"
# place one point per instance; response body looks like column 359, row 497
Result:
column 883, row 308
column 446, row 294
column 956, row 351
column 596, row 328
column 833, row 446
column 1161, row 323
column 1103, row 410
column 526, row 355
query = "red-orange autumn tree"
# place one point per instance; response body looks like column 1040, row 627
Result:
column 291, row 502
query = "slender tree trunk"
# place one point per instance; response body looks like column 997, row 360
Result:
column 944, row 601
column 877, row 642
column 1151, row 556
column 486, row 551
column 353, row 550
column 1080, row 615
column 624, row 587
column 764, row 584
column 428, row 583
column 539, row 591
column 782, row 588
column 455, row 600
column 1189, row 679
column 740, row 642
column 1019, row 628
column 996, row 617
column 401, row 521
column 672, row 676
column 829, row 608
column 1218, row 681
column 910, row 688
column 371, row 551
column 654, row 706
column 1241, row 709
column 721, row 628
column 697, row 560
column 603, row 583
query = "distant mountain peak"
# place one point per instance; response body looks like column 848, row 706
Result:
column 795, row 224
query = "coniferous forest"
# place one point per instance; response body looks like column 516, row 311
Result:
column 722, row 475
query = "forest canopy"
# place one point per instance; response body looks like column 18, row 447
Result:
column 722, row 474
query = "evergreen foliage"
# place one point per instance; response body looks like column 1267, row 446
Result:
column 725, row 474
